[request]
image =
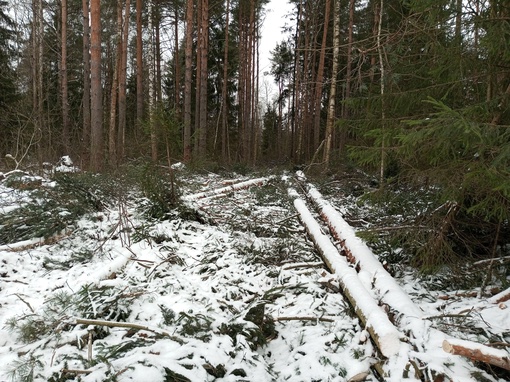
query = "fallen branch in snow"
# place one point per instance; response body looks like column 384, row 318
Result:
column 227, row 189
column 70, row 371
column 303, row 265
column 478, row 352
column 500, row 260
column 306, row 318
column 115, row 324
column 385, row 335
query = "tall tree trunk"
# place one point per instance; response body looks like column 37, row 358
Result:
column 332, row 92
column 177, row 63
column 348, row 73
column 198, row 79
column 188, row 78
column 297, row 74
column 122, row 84
column 112, row 132
column 37, row 76
column 152, row 84
column 319, row 82
column 224, row 94
column 383, row 113
column 63, row 81
column 86, row 84
column 96, row 110
column 139, row 65
column 157, row 52
column 204, row 50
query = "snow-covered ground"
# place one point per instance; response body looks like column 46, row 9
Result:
column 233, row 292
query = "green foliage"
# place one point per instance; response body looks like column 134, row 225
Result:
column 51, row 210
column 197, row 326
column 104, row 302
column 24, row 370
column 156, row 185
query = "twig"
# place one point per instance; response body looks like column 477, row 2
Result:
column 303, row 265
column 71, row 371
column 115, row 324
column 21, row 298
column 305, row 318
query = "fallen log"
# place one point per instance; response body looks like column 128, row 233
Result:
column 357, row 252
column 478, row 352
column 500, row 297
column 225, row 190
column 383, row 332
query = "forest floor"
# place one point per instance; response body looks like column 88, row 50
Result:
column 98, row 282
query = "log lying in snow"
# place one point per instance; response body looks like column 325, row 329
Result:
column 500, row 297
column 478, row 352
column 382, row 331
column 357, row 252
column 225, row 190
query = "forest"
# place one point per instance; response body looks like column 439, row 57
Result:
column 415, row 93
column 164, row 217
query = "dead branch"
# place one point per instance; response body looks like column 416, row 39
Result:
column 305, row 318
column 115, row 324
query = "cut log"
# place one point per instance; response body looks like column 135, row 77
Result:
column 357, row 252
column 383, row 332
column 500, row 297
column 225, row 190
column 478, row 352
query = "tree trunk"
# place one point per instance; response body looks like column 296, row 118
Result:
column 139, row 65
column 112, row 132
column 37, row 74
column 188, row 81
column 383, row 113
column 122, row 85
column 332, row 92
column 86, row 84
column 224, row 94
column 96, row 110
column 152, row 84
column 348, row 72
column 204, row 50
column 63, row 81
column 177, row 64
column 319, row 82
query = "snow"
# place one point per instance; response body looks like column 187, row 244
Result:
column 199, row 281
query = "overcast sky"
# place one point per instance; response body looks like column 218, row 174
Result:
column 271, row 35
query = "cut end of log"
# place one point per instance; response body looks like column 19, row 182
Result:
column 478, row 352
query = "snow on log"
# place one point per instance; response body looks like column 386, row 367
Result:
column 382, row 331
column 478, row 352
column 224, row 190
column 357, row 252
column 500, row 297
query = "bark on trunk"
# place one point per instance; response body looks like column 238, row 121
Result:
column 86, row 85
column 188, row 82
column 478, row 352
column 96, row 110
column 332, row 92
